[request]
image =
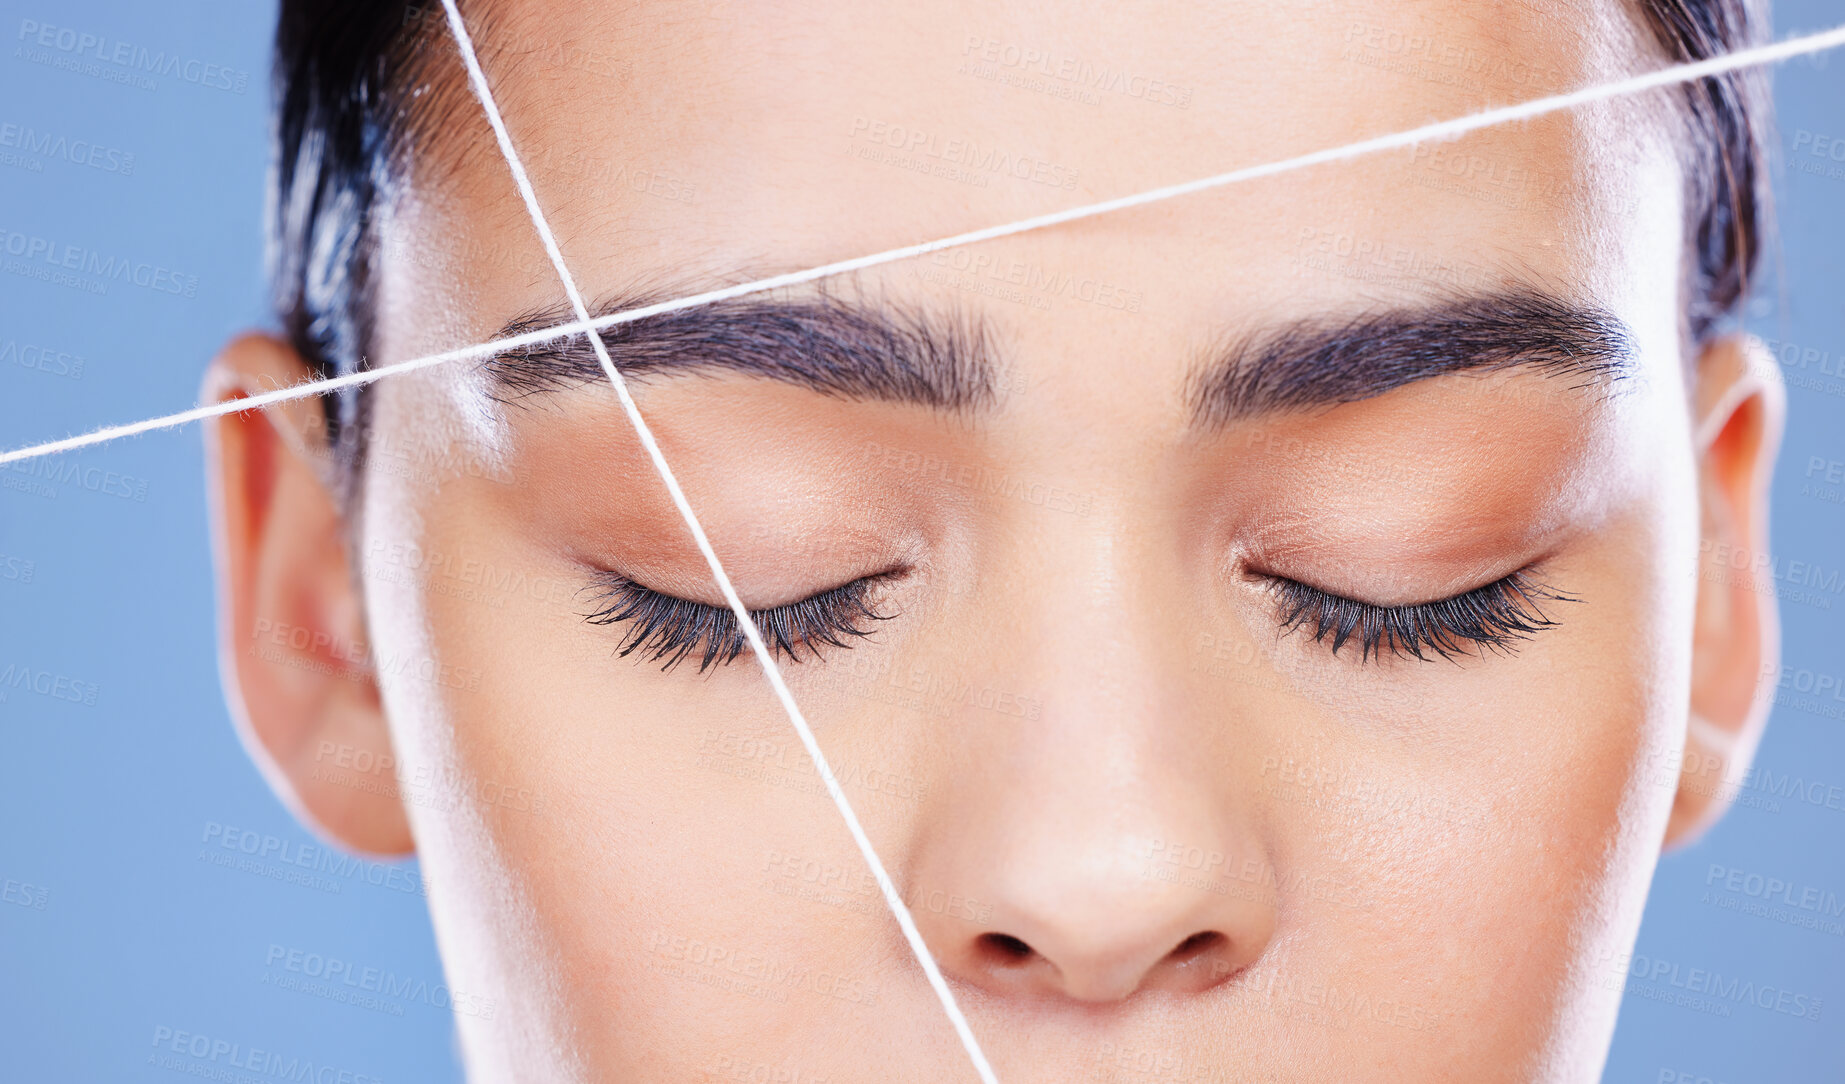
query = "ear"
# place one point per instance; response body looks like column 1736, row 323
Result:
column 1740, row 407
column 293, row 653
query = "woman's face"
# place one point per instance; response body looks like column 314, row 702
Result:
column 1102, row 486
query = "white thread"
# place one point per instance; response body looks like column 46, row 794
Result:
column 892, row 898
column 1448, row 129
column 297, row 391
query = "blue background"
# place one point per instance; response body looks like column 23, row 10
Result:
column 112, row 925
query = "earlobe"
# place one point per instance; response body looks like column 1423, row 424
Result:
column 1740, row 409
column 294, row 657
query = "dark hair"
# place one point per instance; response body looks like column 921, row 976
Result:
column 340, row 126
column 350, row 106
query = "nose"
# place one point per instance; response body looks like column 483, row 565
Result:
column 1111, row 841
column 1092, row 876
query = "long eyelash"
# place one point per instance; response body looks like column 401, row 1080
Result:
column 1491, row 617
column 664, row 627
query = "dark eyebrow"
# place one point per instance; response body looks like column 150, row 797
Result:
column 835, row 347
column 1327, row 361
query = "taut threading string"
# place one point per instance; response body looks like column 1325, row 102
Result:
column 892, row 898
column 1448, row 129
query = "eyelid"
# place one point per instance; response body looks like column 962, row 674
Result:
column 670, row 627
column 1493, row 616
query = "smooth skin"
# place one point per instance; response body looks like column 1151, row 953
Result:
column 1228, row 854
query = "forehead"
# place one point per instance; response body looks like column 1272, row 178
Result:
column 680, row 145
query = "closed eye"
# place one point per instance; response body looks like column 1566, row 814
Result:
column 666, row 627
column 1491, row 617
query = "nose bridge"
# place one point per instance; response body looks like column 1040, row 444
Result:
column 1099, row 834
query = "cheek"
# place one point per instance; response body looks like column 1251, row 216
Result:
column 1564, row 764
column 591, row 821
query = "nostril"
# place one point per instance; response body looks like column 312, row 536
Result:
column 1004, row 949
column 1196, row 945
